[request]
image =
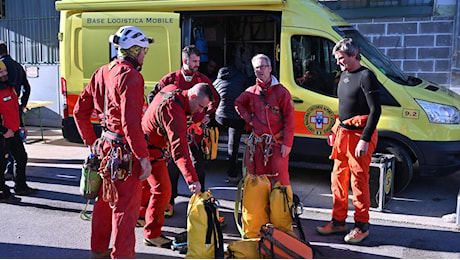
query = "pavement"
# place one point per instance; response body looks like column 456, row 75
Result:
column 48, row 224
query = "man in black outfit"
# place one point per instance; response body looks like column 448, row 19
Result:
column 354, row 140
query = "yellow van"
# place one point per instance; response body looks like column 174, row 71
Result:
column 419, row 122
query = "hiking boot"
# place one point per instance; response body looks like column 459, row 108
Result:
column 330, row 228
column 169, row 211
column 9, row 199
column 25, row 191
column 140, row 222
column 160, row 241
column 101, row 255
column 356, row 236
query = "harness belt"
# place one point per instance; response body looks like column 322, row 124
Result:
column 266, row 142
column 113, row 137
column 351, row 127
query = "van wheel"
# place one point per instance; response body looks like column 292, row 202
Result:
column 404, row 169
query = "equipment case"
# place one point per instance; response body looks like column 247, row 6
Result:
column 381, row 177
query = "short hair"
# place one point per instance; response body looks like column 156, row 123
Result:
column 261, row 56
column 3, row 48
column 349, row 47
column 187, row 51
column 204, row 90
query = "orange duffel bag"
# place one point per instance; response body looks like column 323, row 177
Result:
column 278, row 244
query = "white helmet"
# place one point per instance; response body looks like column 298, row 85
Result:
column 128, row 36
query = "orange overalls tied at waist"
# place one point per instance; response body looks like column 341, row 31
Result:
column 346, row 165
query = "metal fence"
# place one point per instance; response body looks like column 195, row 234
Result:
column 30, row 29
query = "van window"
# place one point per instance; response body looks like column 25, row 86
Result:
column 315, row 67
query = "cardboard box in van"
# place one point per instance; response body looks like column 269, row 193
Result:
column 419, row 122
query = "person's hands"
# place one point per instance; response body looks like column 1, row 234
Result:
column 195, row 187
column 285, row 150
column 8, row 133
column 206, row 120
column 146, row 168
column 361, row 148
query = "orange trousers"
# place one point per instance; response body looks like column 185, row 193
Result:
column 349, row 169
column 156, row 193
column 118, row 222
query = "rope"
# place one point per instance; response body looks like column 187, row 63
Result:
column 109, row 190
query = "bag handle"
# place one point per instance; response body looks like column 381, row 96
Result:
column 238, row 200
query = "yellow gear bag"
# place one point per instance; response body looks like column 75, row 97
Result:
column 280, row 206
column 204, row 234
column 255, row 204
column 210, row 143
column 243, row 249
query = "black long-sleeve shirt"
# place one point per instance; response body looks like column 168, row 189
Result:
column 358, row 93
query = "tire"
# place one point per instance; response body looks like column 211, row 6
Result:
column 404, row 169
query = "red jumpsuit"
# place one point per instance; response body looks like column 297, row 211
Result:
column 176, row 78
column 174, row 119
column 124, row 93
column 271, row 111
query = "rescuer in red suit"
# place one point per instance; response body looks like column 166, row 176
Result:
column 116, row 92
column 165, row 124
column 186, row 78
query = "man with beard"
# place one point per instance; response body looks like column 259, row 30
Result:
column 185, row 78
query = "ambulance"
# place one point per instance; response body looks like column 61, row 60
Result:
column 419, row 122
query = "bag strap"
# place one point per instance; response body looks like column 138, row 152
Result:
column 214, row 228
column 296, row 203
column 238, row 201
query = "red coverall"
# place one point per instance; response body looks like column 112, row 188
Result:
column 345, row 162
column 271, row 111
column 178, row 80
column 124, row 92
column 174, row 119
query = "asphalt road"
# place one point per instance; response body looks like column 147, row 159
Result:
column 48, row 224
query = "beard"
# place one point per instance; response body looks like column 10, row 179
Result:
column 4, row 79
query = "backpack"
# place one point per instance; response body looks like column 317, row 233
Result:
column 204, row 234
column 210, row 142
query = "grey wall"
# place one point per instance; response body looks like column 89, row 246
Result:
column 421, row 46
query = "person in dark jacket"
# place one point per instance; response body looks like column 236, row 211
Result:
column 230, row 83
column 18, row 79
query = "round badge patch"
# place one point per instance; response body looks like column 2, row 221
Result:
column 319, row 119
column 388, row 178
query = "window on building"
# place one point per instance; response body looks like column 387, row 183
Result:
column 379, row 8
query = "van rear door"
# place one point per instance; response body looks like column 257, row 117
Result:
column 163, row 55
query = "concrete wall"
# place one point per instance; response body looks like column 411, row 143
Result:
column 421, row 46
